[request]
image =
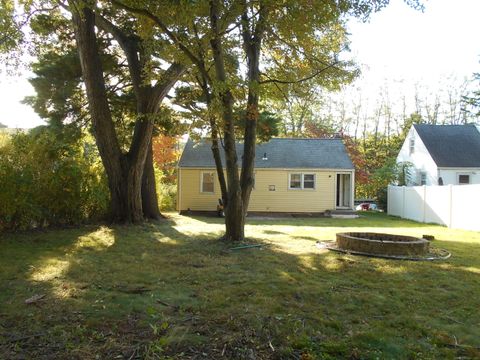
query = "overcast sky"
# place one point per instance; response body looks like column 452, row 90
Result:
column 398, row 45
column 401, row 43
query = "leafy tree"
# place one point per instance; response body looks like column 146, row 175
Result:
column 165, row 156
column 117, row 87
column 240, row 50
column 283, row 44
column 124, row 171
column 403, row 173
column 11, row 35
column 471, row 103
column 319, row 130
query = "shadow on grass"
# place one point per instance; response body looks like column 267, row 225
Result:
column 365, row 219
column 162, row 289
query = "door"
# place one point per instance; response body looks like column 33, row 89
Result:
column 344, row 191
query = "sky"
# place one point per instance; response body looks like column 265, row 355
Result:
column 399, row 45
column 403, row 45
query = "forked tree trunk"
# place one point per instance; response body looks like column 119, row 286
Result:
column 124, row 171
column 125, row 192
column 234, row 213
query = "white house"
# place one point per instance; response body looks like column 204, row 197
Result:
column 442, row 154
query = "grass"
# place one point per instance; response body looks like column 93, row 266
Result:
column 172, row 290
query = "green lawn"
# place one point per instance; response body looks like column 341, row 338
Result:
column 172, row 290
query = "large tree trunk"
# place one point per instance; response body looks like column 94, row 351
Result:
column 124, row 190
column 124, row 171
column 149, row 191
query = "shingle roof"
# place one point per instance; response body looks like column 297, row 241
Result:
column 281, row 154
column 451, row 145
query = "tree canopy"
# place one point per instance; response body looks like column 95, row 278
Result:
column 242, row 65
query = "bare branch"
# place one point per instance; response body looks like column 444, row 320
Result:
column 315, row 74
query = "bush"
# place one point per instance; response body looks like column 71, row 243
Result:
column 46, row 180
column 167, row 192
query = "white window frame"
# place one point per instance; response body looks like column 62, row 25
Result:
column 201, row 182
column 469, row 179
column 411, row 145
column 302, row 181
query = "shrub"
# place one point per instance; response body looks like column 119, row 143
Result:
column 166, row 191
column 46, row 180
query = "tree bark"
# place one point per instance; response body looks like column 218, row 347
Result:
column 124, row 171
column 150, row 205
column 234, row 213
column 252, row 41
column 121, row 205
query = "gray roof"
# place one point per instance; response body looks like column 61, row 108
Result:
column 451, row 145
column 281, row 154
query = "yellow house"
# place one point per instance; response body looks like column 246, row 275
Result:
column 291, row 176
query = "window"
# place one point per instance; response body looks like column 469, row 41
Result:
column 206, row 185
column 412, row 145
column 302, row 181
column 423, row 178
column 295, row 181
column 308, row 181
column 463, row 179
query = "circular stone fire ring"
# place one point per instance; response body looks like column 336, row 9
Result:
column 382, row 244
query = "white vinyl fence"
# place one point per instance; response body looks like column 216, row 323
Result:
column 456, row 206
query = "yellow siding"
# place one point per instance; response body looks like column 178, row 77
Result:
column 190, row 196
column 281, row 200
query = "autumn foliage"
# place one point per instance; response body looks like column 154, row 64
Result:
column 314, row 130
column 165, row 156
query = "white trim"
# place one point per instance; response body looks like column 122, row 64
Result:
column 352, row 189
column 302, row 181
column 201, row 182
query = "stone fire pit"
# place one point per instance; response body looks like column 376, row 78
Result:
column 382, row 244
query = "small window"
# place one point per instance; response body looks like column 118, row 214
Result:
column 295, row 181
column 207, row 182
column 309, row 181
column 271, row 187
column 302, row 181
column 412, row 145
column 463, row 179
column 423, row 178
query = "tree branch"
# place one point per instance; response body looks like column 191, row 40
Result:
column 129, row 45
column 315, row 74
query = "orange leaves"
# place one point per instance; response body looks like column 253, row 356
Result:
column 165, row 155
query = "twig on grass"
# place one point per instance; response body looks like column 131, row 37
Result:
column 34, row 299
column 176, row 307
column 271, row 346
